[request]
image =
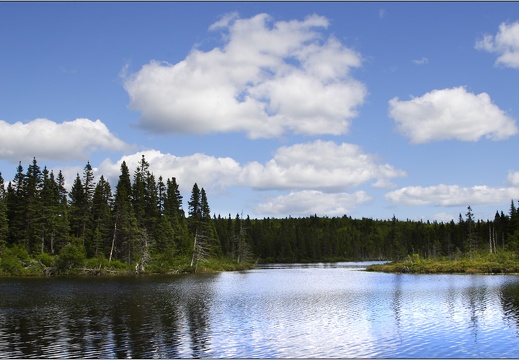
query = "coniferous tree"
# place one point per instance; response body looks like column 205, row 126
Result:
column 50, row 211
column 102, row 222
column 126, row 231
column 88, row 187
column 139, row 191
column 214, row 247
column 175, row 215
column 33, row 220
column 16, row 207
column 77, row 205
column 471, row 233
column 62, row 222
column 151, row 201
column 164, row 234
column 194, row 209
column 4, row 225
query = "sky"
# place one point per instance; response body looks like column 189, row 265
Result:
column 364, row 109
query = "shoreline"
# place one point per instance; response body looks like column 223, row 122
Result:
column 486, row 265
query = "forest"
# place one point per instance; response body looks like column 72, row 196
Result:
column 140, row 226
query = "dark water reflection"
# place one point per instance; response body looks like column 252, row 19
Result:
column 320, row 310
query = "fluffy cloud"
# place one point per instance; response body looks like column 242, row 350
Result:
column 309, row 202
column 451, row 114
column 319, row 165
column 207, row 171
column 268, row 78
column 46, row 139
column 513, row 178
column 505, row 43
column 452, row 195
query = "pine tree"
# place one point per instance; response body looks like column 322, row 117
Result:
column 78, row 203
column 4, row 225
column 175, row 215
column 125, row 230
column 62, row 223
column 102, row 222
column 139, row 191
column 50, row 205
column 194, row 208
column 16, row 207
column 214, row 247
column 471, row 233
column 33, row 221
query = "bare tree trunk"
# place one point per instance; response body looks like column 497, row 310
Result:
column 490, row 238
column 195, row 250
column 113, row 243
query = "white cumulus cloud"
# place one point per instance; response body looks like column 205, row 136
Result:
column 451, row 114
column 309, row 202
column 513, row 178
column 46, row 139
column 319, row 165
column 505, row 43
column 268, row 78
column 452, row 195
column 210, row 172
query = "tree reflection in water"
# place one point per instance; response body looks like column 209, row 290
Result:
column 510, row 302
column 109, row 320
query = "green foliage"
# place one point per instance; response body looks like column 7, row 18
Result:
column 46, row 259
column 476, row 263
column 42, row 226
column 71, row 257
column 14, row 260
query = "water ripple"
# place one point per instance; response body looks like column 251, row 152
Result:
column 297, row 312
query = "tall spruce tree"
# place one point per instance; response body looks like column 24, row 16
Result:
column 176, row 216
column 4, row 225
column 126, row 231
column 16, row 207
column 50, row 208
column 78, row 203
column 33, row 221
column 62, row 227
column 102, row 221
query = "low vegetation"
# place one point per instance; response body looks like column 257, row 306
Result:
column 476, row 263
column 15, row 261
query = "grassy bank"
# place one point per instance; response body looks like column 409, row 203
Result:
column 477, row 263
column 15, row 261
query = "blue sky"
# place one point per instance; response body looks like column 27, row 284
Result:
column 370, row 109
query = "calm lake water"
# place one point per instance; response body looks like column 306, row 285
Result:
column 317, row 310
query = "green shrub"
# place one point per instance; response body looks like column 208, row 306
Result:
column 71, row 256
column 117, row 265
column 45, row 259
column 11, row 265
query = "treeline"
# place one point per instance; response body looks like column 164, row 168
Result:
column 140, row 224
column 344, row 238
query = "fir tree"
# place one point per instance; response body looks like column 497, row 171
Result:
column 16, row 208
column 33, row 221
column 62, row 222
column 125, row 230
column 4, row 225
column 78, row 203
column 102, row 222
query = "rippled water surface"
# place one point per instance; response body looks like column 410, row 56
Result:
column 311, row 310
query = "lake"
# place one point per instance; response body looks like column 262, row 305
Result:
column 276, row 311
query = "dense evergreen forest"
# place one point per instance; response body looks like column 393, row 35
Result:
column 141, row 225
